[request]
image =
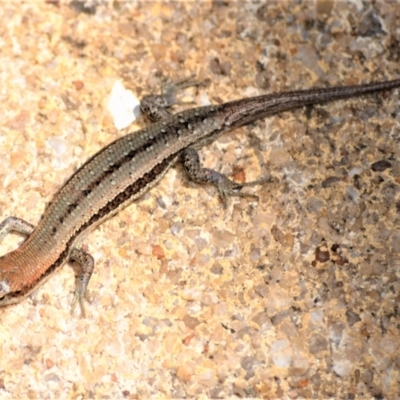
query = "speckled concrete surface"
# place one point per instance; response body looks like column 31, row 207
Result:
column 294, row 296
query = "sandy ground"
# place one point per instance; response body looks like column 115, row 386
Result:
column 291, row 296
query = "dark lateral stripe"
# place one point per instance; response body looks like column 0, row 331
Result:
column 118, row 162
column 129, row 192
column 112, row 168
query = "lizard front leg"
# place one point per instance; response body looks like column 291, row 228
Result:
column 14, row 224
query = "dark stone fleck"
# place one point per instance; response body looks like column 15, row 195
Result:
column 380, row 166
column 322, row 254
column 79, row 44
column 357, row 375
column 370, row 25
column 334, row 247
column 220, row 68
column 279, row 317
column 341, row 260
column 227, row 328
column 217, row 269
column 278, row 234
column 352, row 317
column 330, row 181
column 81, row 6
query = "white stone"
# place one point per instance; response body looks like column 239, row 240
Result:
column 123, row 105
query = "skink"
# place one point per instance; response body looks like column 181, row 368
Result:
column 124, row 170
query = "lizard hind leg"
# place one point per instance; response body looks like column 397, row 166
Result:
column 86, row 267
